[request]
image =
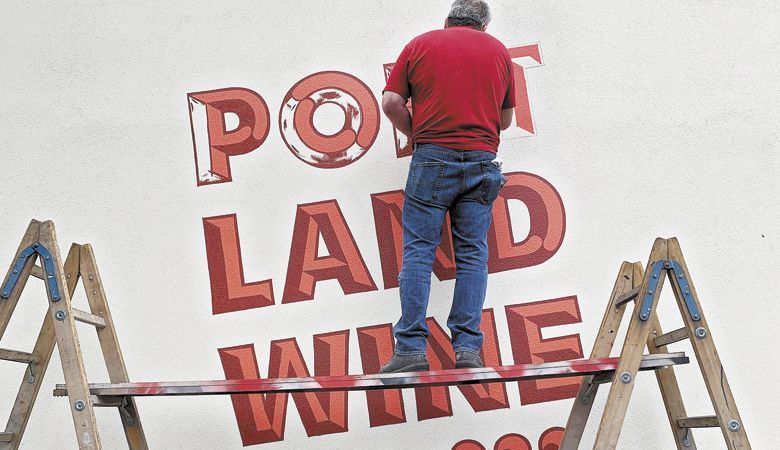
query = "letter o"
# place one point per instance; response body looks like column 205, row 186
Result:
column 361, row 119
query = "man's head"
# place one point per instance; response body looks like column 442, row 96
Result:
column 469, row 13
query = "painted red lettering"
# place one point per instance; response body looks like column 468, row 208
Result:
column 481, row 397
column 468, row 444
column 547, row 224
column 261, row 417
column 306, row 267
column 386, row 406
column 212, row 142
column 361, row 119
column 512, row 441
column 551, row 439
column 531, row 58
column 525, row 323
column 229, row 291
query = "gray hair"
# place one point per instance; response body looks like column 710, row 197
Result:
column 470, row 13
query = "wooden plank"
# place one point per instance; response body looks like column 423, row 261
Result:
column 630, row 358
column 70, row 351
column 503, row 374
column 109, row 345
column 17, row 356
column 85, row 317
column 698, row 422
column 709, row 362
column 44, row 347
column 671, row 337
column 8, row 305
column 605, row 339
column 667, row 384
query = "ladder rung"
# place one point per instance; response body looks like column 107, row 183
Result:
column 671, row 337
column 17, row 356
column 86, row 317
column 37, row 272
column 628, row 296
column 6, row 437
column 698, row 422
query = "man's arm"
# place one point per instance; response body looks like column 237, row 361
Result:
column 395, row 109
column 506, row 117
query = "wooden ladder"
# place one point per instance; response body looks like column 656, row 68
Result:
column 644, row 329
column 59, row 326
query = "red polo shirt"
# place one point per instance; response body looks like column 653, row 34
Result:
column 459, row 80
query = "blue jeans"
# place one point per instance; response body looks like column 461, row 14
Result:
column 465, row 182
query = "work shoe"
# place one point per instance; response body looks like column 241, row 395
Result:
column 468, row 360
column 405, row 363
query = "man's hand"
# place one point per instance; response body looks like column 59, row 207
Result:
column 394, row 107
column 506, row 118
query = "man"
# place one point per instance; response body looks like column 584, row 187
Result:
column 462, row 89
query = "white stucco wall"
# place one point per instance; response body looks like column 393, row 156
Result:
column 651, row 120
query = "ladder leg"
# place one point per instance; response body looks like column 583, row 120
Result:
column 630, row 358
column 580, row 411
column 670, row 390
column 109, row 343
column 69, row 349
column 8, row 305
column 33, row 378
column 706, row 354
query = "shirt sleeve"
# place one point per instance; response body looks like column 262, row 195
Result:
column 398, row 81
column 509, row 98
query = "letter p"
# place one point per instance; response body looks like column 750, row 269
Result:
column 213, row 142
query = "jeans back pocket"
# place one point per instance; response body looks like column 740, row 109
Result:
column 425, row 180
column 492, row 181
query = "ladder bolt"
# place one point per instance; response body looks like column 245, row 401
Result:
column 733, row 425
column 701, row 332
column 60, row 315
column 16, row 271
column 35, row 245
column 79, row 405
column 625, row 377
column 686, row 438
column 91, row 277
column 588, row 392
column 31, row 378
